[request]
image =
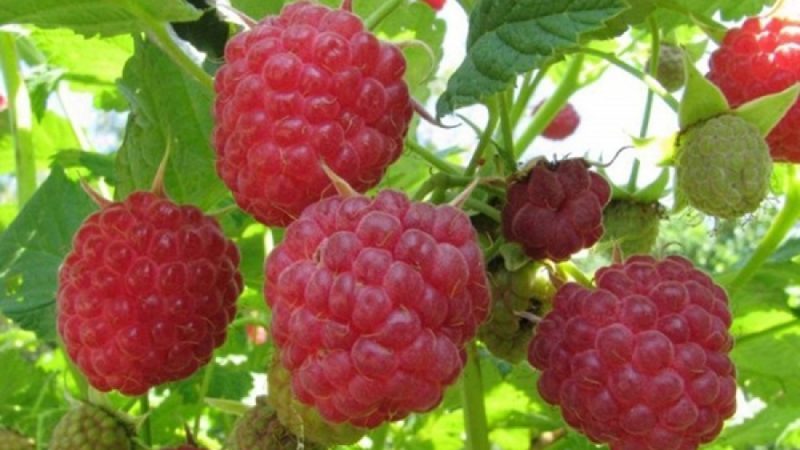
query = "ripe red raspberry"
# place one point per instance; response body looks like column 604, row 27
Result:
column 307, row 86
column 372, row 303
column 435, row 4
column 762, row 57
column 146, row 293
column 642, row 361
column 556, row 209
column 563, row 124
column 3, row 103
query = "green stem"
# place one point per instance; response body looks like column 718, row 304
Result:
column 379, row 437
column 525, row 94
column 249, row 320
column 783, row 223
column 148, row 431
column 652, row 69
column 21, row 114
column 771, row 330
column 381, row 13
column 651, row 82
column 474, row 409
column 434, row 160
column 572, row 270
column 209, row 370
column 552, row 105
column 506, row 130
column 483, row 208
column 161, row 35
column 483, row 143
column 425, row 189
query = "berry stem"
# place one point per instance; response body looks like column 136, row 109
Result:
column 573, row 271
column 430, row 157
column 474, row 408
column 651, row 82
column 207, row 374
column 21, row 115
column 506, row 150
column 161, row 34
column 551, row 107
column 525, row 94
column 383, row 11
column 378, row 437
column 483, row 208
column 148, row 431
column 652, row 69
column 783, row 223
column 484, row 141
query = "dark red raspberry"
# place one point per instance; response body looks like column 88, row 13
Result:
column 762, row 57
column 146, row 293
column 435, row 4
column 307, row 86
column 563, row 124
column 372, row 303
column 640, row 362
column 556, row 209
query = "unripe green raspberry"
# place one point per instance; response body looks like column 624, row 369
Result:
column 671, row 71
column 631, row 225
column 11, row 440
column 506, row 334
column 260, row 429
column 89, row 427
column 304, row 421
column 723, row 166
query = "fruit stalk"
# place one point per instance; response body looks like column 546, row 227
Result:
column 652, row 69
column 147, row 429
column 431, row 158
column 783, row 223
column 21, row 118
column 551, row 107
column 485, row 140
column 474, row 408
column 506, row 150
column 528, row 88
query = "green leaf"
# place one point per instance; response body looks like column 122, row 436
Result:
column 91, row 17
column 32, row 247
column 765, row 112
column 167, row 106
column 510, row 37
column 702, row 99
column 51, row 134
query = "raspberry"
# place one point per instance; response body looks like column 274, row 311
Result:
column 556, row 209
column 11, row 440
column 3, row 103
column 435, row 4
column 146, row 293
column 373, row 302
column 307, row 86
column 671, row 71
column 506, row 334
column 723, row 167
column 640, row 362
column 305, row 422
column 762, row 57
column 259, row 429
column 89, row 427
column 631, row 225
column 563, row 124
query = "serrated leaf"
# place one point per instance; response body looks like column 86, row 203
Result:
column 510, row 37
column 91, row 17
column 701, row 100
column 184, row 120
column 765, row 112
column 32, row 247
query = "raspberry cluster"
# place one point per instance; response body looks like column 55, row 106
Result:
column 305, row 87
column 759, row 58
column 641, row 361
column 556, row 209
column 372, row 303
column 146, row 293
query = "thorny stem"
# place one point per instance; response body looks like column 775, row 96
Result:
column 434, row 160
column 553, row 105
column 651, row 82
column 473, row 399
column 507, row 132
column 19, row 104
column 381, row 13
column 783, row 223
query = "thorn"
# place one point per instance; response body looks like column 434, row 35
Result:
column 342, row 187
column 347, row 5
column 426, row 116
column 158, row 181
column 98, row 199
column 460, row 199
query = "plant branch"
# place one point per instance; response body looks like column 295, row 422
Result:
column 485, row 140
column 431, row 158
column 506, row 150
column 525, row 94
column 474, row 408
